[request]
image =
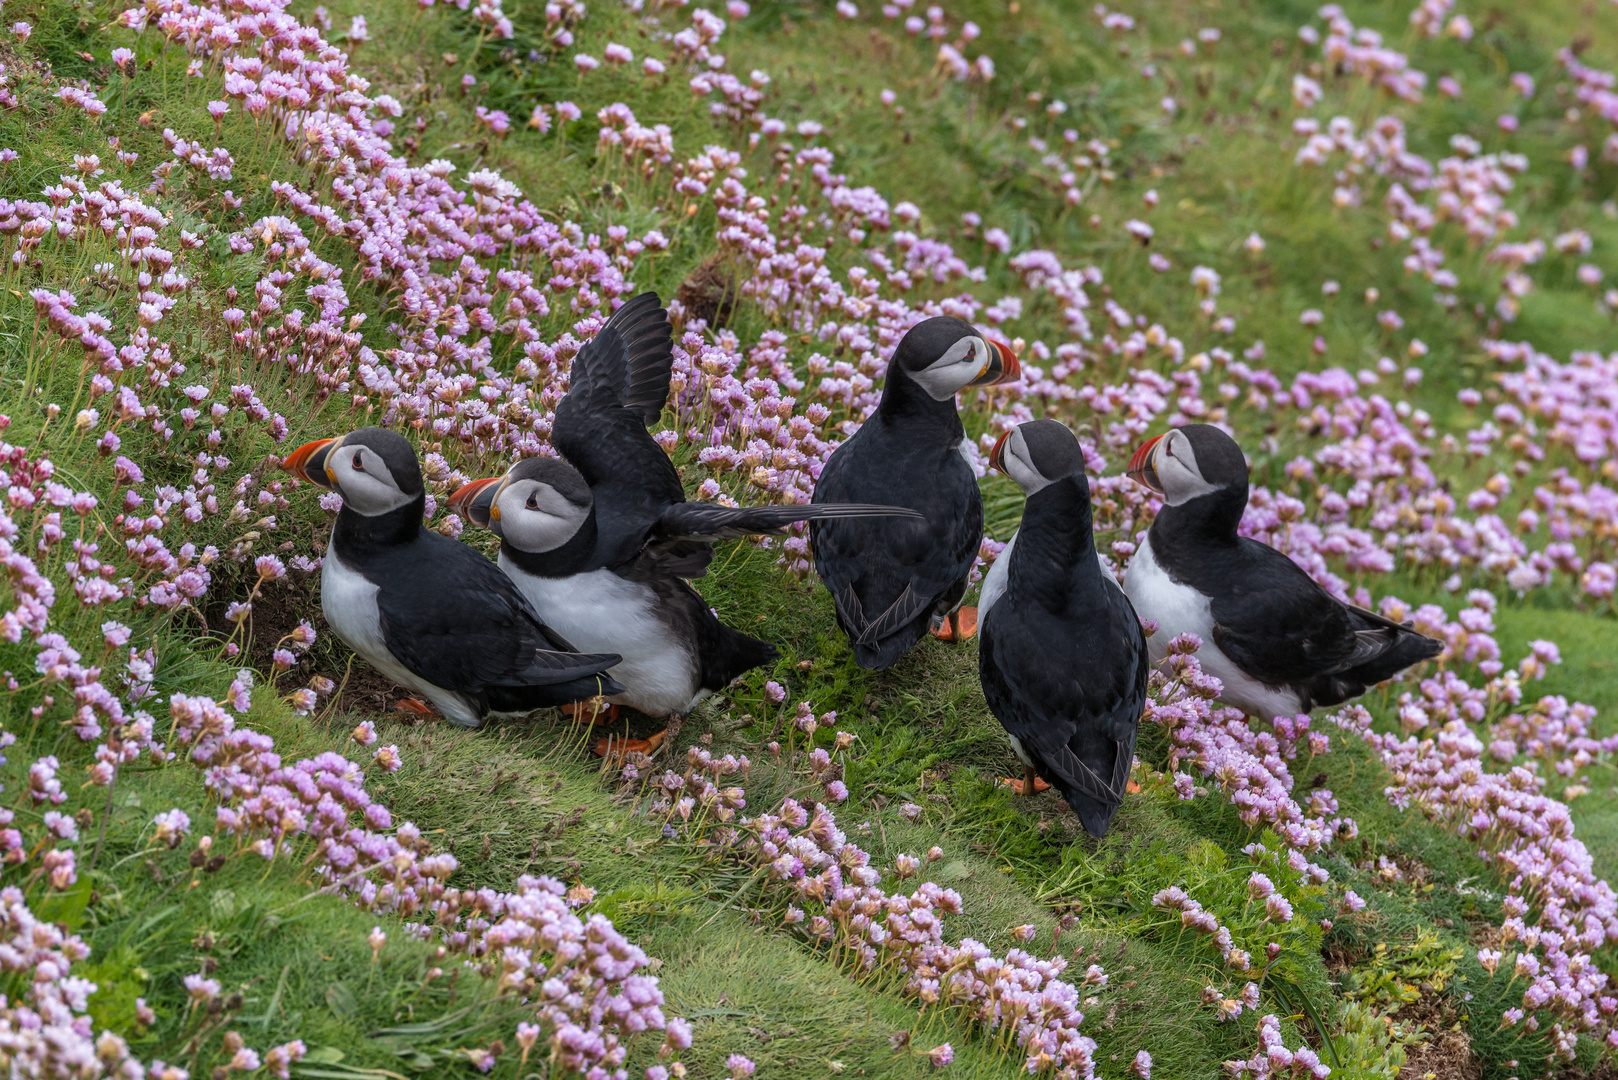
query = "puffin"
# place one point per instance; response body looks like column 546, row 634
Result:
column 894, row 582
column 432, row 614
column 1279, row 642
column 602, row 541
column 1063, row 659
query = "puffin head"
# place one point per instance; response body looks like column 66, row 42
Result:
column 538, row 506
column 1188, row 462
column 945, row 355
column 373, row 469
column 1037, row 454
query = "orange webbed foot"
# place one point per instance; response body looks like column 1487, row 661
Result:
column 416, row 707
column 961, row 625
column 1020, row 787
column 596, row 711
column 616, row 748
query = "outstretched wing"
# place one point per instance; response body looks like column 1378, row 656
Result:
column 618, row 385
column 685, row 531
column 708, row 521
column 627, row 365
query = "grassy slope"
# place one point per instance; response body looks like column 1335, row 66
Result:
column 1222, row 173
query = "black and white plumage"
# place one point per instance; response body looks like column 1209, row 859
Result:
column 429, row 613
column 892, row 582
column 1278, row 641
column 600, row 543
column 1063, row 659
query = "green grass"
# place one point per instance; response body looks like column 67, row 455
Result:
column 523, row 798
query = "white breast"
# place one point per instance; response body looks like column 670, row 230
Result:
column 348, row 601
column 995, row 581
column 602, row 612
column 1179, row 609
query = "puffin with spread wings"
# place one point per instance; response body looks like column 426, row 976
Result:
column 602, row 541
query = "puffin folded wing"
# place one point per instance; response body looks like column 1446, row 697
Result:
column 1288, row 633
column 547, row 666
column 1075, row 773
column 480, row 634
column 894, row 618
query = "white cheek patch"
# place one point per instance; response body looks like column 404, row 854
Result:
column 1178, row 473
column 545, row 528
column 950, row 373
column 1020, row 469
column 369, row 491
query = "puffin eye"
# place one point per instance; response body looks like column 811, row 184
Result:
column 533, row 502
column 357, row 464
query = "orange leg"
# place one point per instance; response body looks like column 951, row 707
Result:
column 1028, row 785
column 961, row 625
column 596, row 711
column 416, row 706
column 616, row 747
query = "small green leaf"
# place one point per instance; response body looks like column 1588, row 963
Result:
column 222, row 905
column 340, row 999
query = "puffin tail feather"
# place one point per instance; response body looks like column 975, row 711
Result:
column 1405, row 650
column 735, row 655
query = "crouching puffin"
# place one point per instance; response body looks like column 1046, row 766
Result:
column 600, row 543
column 429, row 613
column 1278, row 641
column 1063, row 658
column 893, row 582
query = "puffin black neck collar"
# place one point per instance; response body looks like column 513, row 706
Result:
column 904, row 402
column 1212, row 518
column 1061, row 517
column 571, row 558
column 359, row 536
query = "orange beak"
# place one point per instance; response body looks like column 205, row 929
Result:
column 475, row 501
column 997, row 456
column 1143, row 467
column 308, row 462
column 1003, row 366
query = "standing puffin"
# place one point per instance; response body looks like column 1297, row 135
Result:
column 891, row 582
column 600, row 544
column 1279, row 643
column 1063, row 658
column 429, row 613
